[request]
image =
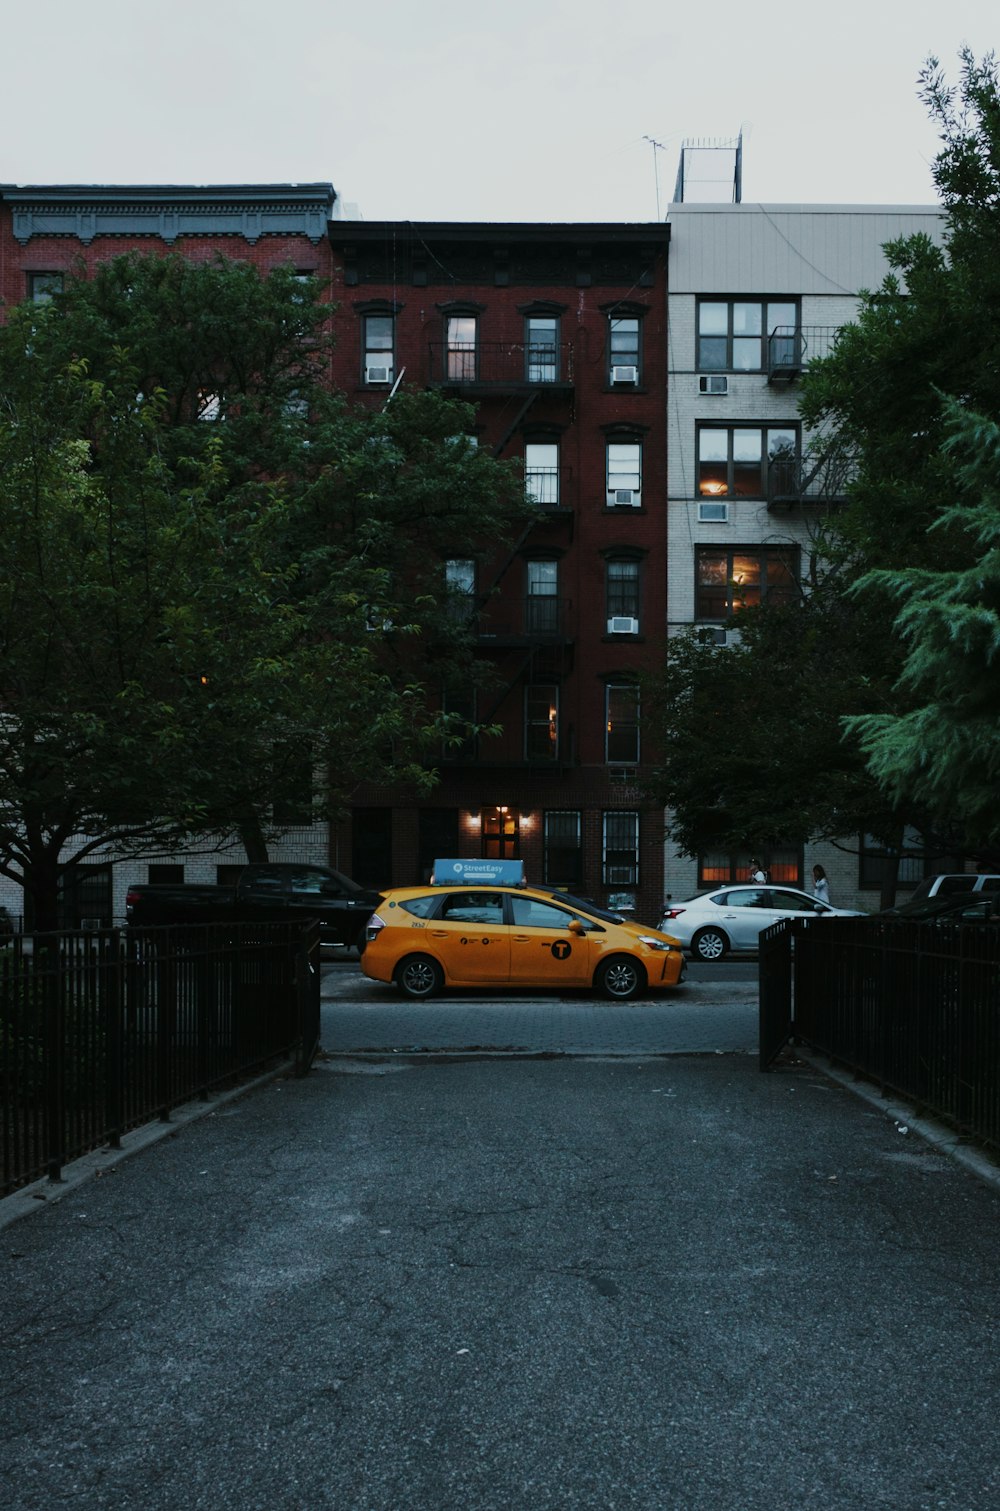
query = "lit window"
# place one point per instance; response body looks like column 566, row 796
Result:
column 621, row 721
column 541, row 721
column 737, row 460
column 782, row 863
column 730, row 580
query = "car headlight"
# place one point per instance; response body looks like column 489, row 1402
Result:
column 654, row 944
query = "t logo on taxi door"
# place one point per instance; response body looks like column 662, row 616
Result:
column 562, row 949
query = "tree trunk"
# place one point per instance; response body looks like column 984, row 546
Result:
column 253, row 840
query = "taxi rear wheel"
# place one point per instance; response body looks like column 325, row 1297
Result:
column 621, row 979
column 419, row 976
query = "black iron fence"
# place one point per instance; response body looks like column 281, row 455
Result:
column 103, row 1031
column 914, row 1007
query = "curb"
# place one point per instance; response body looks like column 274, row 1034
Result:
column 944, row 1139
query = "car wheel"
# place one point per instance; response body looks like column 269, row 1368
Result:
column 418, row 976
column 621, row 979
column 709, row 944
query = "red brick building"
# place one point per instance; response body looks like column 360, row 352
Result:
column 556, row 333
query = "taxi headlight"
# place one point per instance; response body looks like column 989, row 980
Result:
column 654, row 944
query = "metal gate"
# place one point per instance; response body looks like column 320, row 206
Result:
column 776, row 1001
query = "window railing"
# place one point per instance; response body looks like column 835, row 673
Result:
column 790, row 348
column 538, row 616
column 500, row 364
column 819, row 479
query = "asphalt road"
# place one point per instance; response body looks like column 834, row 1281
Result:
column 713, row 1011
column 504, row 1284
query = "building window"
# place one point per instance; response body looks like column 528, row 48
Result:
column 541, row 348
column 541, row 472
column 42, row 286
column 717, row 868
column 622, row 589
column 621, row 732
column 501, row 838
column 379, row 349
column 562, row 848
column 624, row 353
column 733, row 460
column 541, row 608
column 620, row 850
column 915, row 861
column 461, row 342
column 624, row 473
column 541, row 721
column 733, row 333
column 730, row 580
column 460, row 587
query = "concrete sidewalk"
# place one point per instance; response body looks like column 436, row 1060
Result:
column 476, row 1285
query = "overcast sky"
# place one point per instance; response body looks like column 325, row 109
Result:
column 464, row 110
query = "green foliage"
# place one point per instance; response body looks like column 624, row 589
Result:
column 751, row 753
column 945, row 751
column 217, row 571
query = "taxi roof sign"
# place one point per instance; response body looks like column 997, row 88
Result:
column 477, row 873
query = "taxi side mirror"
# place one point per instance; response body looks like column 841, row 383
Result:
column 576, row 927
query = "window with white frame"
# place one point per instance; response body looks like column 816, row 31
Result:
column 541, row 607
column 727, row 580
column 461, row 348
column 541, row 472
column 624, row 349
column 562, row 847
column 621, row 724
column 735, row 461
column 733, row 334
column 541, row 721
column 541, row 348
column 624, row 472
column 620, row 849
column 379, row 363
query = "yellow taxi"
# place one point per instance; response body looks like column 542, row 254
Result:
column 424, row 939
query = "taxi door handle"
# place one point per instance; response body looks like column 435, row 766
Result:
column 438, row 933
column 521, row 938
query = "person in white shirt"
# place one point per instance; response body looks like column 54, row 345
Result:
column 821, row 887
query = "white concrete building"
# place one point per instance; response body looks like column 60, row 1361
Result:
column 755, row 291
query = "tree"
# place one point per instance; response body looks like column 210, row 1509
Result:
column 945, row 751
column 218, row 573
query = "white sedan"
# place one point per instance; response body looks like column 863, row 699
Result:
column 731, row 918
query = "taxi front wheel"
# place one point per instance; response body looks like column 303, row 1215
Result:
column 419, row 976
column 621, row 979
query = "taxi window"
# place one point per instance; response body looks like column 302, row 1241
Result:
column 473, row 907
column 529, row 913
column 421, row 907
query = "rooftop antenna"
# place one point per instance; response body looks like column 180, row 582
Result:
column 657, row 147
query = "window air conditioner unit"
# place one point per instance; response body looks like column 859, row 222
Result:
column 378, row 374
column 713, row 384
column 713, row 512
column 625, row 496
column 620, row 624
column 719, row 636
column 624, row 375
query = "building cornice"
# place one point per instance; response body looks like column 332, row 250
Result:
column 167, row 212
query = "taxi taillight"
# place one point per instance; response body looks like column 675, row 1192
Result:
column 373, row 926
